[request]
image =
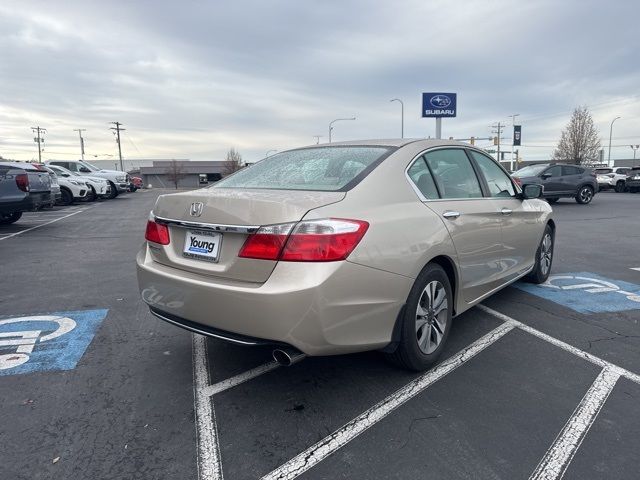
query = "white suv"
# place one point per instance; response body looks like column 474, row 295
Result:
column 118, row 180
column 98, row 187
column 612, row 177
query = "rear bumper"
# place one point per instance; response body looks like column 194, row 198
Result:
column 319, row 308
column 32, row 201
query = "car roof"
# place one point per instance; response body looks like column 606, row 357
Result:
column 22, row 165
column 393, row 142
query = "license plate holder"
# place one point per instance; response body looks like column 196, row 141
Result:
column 202, row 245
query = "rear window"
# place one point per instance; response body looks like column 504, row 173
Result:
column 604, row 171
column 530, row 171
column 321, row 169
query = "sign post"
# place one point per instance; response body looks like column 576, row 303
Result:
column 438, row 105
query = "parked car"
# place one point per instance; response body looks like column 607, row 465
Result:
column 23, row 188
column 633, row 180
column 560, row 181
column 98, row 187
column 119, row 181
column 612, row 178
column 136, row 183
column 56, row 194
column 71, row 188
column 344, row 248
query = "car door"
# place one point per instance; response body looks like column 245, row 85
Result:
column 572, row 177
column 551, row 180
column 519, row 219
column 469, row 216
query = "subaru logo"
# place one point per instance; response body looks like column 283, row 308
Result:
column 196, row 209
column 440, row 101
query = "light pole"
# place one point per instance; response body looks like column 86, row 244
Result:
column 267, row 154
column 610, row 134
column 634, row 148
column 337, row 120
column 513, row 124
column 402, row 115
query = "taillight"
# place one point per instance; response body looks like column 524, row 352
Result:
column 22, row 181
column 157, row 233
column 311, row 241
column 517, row 180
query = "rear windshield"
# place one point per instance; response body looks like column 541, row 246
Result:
column 530, row 171
column 603, row 171
column 319, row 168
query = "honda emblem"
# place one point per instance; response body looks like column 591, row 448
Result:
column 196, row 209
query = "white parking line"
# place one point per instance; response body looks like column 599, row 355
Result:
column 43, row 224
column 565, row 346
column 209, row 465
column 637, row 269
column 238, row 379
column 325, row 447
column 559, row 456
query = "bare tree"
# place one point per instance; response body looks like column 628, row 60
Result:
column 232, row 162
column 175, row 172
column 580, row 140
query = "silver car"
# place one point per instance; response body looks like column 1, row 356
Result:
column 332, row 249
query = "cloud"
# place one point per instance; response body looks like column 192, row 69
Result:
column 193, row 79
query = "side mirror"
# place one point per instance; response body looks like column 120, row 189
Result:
column 85, row 170
column 531, row 190
column 544, row 176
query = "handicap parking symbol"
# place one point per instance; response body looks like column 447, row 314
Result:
column 587, row 292
column 55, row 341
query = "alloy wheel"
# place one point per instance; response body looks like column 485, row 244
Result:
column 546, row 253
column 585, row 194
column 431, row 317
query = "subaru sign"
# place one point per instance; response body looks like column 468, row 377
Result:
column 436, row 105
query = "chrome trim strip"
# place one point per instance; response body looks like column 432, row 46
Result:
column 216, row 227
column 202, row 332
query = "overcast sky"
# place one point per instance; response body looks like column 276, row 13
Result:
column 191, row 79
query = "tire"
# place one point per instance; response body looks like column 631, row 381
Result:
column 425, row 324
column 584, row 195
column 6, row 219
column 114, row 191
column 544, row 258
column 91, row 195
column 67, row 197
column 620, row 186
column 552, row 199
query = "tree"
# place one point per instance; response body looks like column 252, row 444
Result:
column 580, row 140
column 232, row 162
column 175, row 172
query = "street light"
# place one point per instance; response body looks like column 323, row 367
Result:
column 634, row 148
column 337, row 120
column 610, row 134
column 267, row 155
column 402, row 115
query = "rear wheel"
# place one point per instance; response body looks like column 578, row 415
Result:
column 544, row 258
column 426, row 320
column 584, row 195
column 67, row 197
column 7, row 218
column 552, row 199
column 620, row 186
column 114, row 191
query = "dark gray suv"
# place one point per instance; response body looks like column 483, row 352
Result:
column 560, row 181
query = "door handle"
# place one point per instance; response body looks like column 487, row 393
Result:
column 451, row 214
column 506, row 211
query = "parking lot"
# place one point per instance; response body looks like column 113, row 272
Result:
column 537, row 382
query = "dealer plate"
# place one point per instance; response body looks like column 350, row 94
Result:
column 202, row 245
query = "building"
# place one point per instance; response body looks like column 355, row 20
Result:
column 189, row 174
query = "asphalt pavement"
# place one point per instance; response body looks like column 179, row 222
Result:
column 540, row 380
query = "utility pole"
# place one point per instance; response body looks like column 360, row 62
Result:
column 40, row 131
column 117, row 129
column 498, row 131
column 80, row 130
column 634, row 148
column 317, row 137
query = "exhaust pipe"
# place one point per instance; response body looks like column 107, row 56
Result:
column 287, row 356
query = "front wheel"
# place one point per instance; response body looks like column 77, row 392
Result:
column 544, row 258
column 426, row 320
column 91, row 194
column 620, row 186
column 67, row 197
column 6, row 219
column 113, row 193
column 584, row 195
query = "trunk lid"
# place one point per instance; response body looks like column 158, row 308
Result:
column 233, row 208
